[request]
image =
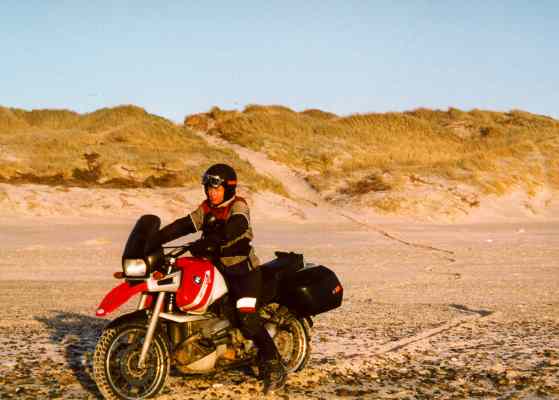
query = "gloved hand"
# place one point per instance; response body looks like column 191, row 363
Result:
column 208, row 246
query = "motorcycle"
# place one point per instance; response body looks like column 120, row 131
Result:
column 184, row 318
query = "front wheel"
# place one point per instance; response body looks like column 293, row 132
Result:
column 116, row 362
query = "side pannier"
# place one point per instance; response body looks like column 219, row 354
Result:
column 312, row 290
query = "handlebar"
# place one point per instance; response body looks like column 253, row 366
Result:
column 194, row 247
column 177, row 251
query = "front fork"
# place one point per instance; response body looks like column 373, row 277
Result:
column 152, row 325
column 142, row 302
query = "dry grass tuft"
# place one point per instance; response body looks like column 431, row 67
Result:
column 52, row 119
column 271, row 109
column 201, row 122
column 371, row 183
column 9, row 120
column 319, row 114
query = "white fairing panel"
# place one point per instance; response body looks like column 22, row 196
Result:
column 220, row 287
column 155, row 285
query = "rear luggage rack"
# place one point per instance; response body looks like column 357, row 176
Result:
column 285, row 264
column 294, row 259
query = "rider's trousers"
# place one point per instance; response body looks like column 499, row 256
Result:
column 245, row 287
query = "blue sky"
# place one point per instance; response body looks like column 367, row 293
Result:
column 178, row 57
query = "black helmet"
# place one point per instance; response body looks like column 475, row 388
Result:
column 221, row 175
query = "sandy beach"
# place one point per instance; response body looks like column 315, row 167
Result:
column 433, row 311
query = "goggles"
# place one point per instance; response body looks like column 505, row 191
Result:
column 212, row 180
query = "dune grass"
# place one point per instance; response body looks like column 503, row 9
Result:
column 493, row 151
column 113, row 147
column 347, row 156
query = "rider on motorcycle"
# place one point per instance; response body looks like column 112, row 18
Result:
column 227, row 243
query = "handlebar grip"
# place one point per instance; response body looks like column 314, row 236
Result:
column 180, row 252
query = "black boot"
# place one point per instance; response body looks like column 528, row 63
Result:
column 272, row 370
column 273, row 374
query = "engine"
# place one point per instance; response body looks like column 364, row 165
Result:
column 210, row 342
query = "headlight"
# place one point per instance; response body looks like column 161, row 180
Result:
column 135, row 268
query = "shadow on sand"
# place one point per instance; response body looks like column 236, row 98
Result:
column 77, row 334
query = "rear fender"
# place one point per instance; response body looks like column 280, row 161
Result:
column 118, row 296
column 310, row 321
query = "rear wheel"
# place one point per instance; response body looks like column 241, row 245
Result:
column 292, row 339
column 116, row 363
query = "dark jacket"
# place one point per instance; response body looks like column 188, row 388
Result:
column 231, row 235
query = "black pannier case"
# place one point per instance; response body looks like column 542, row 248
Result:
column 312, row 290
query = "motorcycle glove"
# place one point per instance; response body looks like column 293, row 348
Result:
column 208, row 246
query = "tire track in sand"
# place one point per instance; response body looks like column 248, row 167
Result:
column 421, row 337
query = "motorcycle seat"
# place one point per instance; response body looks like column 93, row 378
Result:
column 284, row 264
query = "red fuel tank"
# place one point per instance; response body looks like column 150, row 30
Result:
column 198, row 276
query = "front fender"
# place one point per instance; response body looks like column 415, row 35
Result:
column 118, row 296
column 140, row 316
